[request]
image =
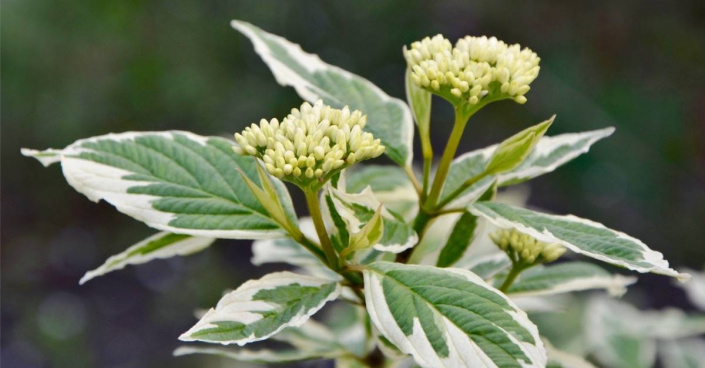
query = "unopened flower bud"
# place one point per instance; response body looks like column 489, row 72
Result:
column 311, row 144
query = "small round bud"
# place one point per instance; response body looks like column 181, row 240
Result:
column 311, row 144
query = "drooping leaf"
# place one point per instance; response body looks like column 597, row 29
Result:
column 389, row 119
column 260, row 308
column 158, row 246
column 357, row 209
column 173, row 181
column 579, row 235
column 565, row 278
column 446, row 317
column 549, row 154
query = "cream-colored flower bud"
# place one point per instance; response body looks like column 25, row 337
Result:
column 474, row 69
column 311, row 144
column 525, row 248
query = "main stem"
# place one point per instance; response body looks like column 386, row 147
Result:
column 314, row 209
column 461, row 120
column 514, row 272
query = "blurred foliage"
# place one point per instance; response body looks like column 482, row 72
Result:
column 76, row 69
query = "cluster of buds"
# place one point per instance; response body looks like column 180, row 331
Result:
column 311, row 144
column 474, row 68
column 522, row 247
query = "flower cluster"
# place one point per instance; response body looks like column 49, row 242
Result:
column 474, row 68
column 311, row 144
column 526, row 248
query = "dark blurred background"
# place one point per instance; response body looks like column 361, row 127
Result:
column 74, row 69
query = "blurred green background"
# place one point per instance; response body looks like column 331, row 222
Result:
column 81, row 68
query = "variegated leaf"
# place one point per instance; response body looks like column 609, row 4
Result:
column 389, row 184
column 488, row 266
column 260, row 308
column 447, row 317
column 579, row 235
column 565, row 278
column 173, row 181
column 389, row 119
column 355, row 210
column 161, row 245
column 549, row 154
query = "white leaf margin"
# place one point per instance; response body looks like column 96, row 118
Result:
column 287, row 77
column 526, row 171
column 418, row 345
column 238, row 305
column 367, row 199
column 659, row 264
column 119, row 261
column 615, row 285
column 98, row 181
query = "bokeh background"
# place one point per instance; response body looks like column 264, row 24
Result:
column 74, row 69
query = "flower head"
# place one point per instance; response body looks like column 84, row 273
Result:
column 475, row 68
column 526, row 248
column 311, row 144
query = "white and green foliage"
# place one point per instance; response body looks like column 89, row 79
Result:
column 313, row 79
column 564, row 278
column 619, row 335
column 172, row 181
column 354, row 212
column 260, row 308
column 368, row 225
column 579, row 235
column 449, row 318
column 161, row 245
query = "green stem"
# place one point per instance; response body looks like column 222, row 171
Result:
column 461, row 120
column 314, row 209
column 467, row 184
column 514, row 272
column 427, row 153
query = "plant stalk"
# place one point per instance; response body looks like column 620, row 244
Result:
column 314, row 209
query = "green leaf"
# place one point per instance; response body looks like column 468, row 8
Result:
column 357, row 209
column 446, row 317
column 260, row 308
column 389, row 119
column 565, row 278
column 515, row 149
column 488, row 266
column 420, row 101
column 579, row 235
column 159, row 246
column 464, row 232
column 549, row 154
column 173, row 181
column 368, row 235
column 390, row 184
